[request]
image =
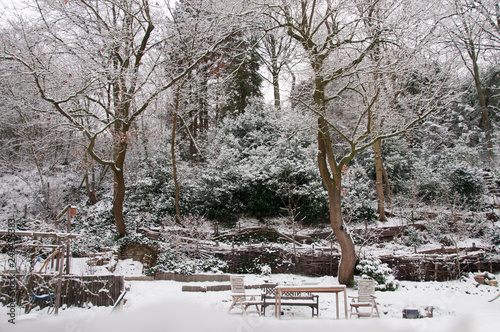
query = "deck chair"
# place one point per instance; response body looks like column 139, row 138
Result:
column 240, row 298
column 365, row 299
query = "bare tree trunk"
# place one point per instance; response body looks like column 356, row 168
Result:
column 174, row 160
column 276, row 88
column 333, row 184
column 388, row 187
column 467, row 38
column 119, row 198
column 90, row 191
column 377, row 149
column 485, row 118
column 348, row 259
column 120, row 151
column 292, row 88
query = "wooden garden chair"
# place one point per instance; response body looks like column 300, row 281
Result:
column 240, row 298
column 365, row 299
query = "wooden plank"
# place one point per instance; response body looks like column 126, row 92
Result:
column 191, row 278
column 119, row 302
column 139, row 278
column 40, row 234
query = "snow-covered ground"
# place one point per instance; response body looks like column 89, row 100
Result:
column 459, row 306
column 162, row 306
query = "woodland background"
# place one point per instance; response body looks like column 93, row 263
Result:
column 200, row 114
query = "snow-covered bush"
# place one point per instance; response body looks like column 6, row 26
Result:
column 440, row 228
column 427, row 181
column 265, row 270
column 466, row 183
column 171, row 261
column 413, row 237
column 477, row 226
column 212, row 265
column 139, row 238
column 492, row 235
column 398, row 161
column 151, row 197
column 358, row 200
column 96, row 226
column 256, row 163
column 373, row 268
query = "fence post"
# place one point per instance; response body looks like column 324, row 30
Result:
column 59, row 281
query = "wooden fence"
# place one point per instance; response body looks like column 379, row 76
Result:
column 421, row 267
column 412, row 267
column 98, row 290
column 76, row 290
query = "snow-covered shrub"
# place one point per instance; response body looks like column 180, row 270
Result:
column 477, row 226
column 151, row 197
column 413, row 237
column 440, row 228
column 257, row 163
column 466, row 183
column 373, row 268
column 212, row 265
column 492, row 235
column 265, row 270
column 358, row 200
column 96, row 226
column 139, row 238
column 397, row 159
column 171, row 261
column 427, row 181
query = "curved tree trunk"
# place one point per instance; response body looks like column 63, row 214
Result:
column 348, row 258
column 333, row 184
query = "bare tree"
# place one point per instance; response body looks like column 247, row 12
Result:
column 489, row 19
column 338, row 47
column 31, row 140
column 277, row 51
column 467, row 35
column 100, row 65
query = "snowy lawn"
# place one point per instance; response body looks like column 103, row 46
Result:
column 162, row 306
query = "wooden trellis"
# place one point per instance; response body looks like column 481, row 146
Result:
column 58, row 253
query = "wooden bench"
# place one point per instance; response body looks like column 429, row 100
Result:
column 305, row 299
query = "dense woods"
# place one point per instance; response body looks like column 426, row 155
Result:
column 147, row 114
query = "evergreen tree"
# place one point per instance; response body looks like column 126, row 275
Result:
column 244, row 78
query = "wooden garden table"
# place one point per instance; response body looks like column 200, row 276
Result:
column 312, row 289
